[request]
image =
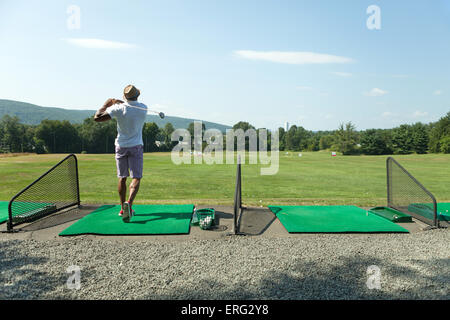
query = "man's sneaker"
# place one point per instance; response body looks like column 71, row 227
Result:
column 121, row 213
column 132, row 212
column 126, row 212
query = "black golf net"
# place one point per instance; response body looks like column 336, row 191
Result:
column 237, row 199
column 55, row 190
column 406, row 194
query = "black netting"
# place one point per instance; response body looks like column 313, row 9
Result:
column 407, row 195
column 237, row 198
column 55, row 190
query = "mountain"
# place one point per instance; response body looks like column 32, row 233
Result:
column 32, row 114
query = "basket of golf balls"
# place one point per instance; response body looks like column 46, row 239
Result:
column 205, row 218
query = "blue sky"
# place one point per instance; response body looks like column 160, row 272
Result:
column 312, row 63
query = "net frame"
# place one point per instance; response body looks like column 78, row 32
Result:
column 405, row 192
column 58, row 193
column 238, row 209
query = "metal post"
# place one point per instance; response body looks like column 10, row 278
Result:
column 237, row 196
column 388, row 182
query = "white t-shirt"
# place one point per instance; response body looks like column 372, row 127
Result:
column 130, row 122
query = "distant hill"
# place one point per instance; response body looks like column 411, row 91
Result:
column 32, row 114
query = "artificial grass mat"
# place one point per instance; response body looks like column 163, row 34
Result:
column 148, row 219
column 391, row 214
column 426, row 210
column 3, row 211
column 332, row 219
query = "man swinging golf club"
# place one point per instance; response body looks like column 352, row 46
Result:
column 130, row 117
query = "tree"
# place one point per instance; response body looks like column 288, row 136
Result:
column 291, row 139
column 149, row 135
column 282, row 137
column 346, row 139
column 374, row 142
column 313, row 143
column 12, row 133
column 420, row 138
column 28, row 144
column 438, row 132
column 59, row 136
column 402, row 139
column 326, row 142
column 445, row 144
column 191, row 129
column 167, row 135
column 243, row 125
column 269, row 139
column 302, row 137
column 98, row 137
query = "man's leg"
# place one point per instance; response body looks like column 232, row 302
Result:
column 122, row 173
column 134, row 188
column 122, row 188
column 136, row 165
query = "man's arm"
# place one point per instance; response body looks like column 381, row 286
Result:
column 101, row 114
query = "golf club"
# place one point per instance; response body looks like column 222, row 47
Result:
column 160, row 114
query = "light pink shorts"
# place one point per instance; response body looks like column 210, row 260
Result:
column 130, row 160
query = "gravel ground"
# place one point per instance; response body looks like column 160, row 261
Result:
column 326, row 266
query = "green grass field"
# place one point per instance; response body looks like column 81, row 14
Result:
column 314, row 178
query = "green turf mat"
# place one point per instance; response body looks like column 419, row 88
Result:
column 444, row 211
column 3, row 211
column 148, row 219
column 303, row 219
column 391, row 214
column 426, row 210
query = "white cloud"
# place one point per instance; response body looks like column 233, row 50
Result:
column 420, row 114
column 292, row 57
column 376, row 92
column 342, row 74
column 328, row 116
column 98, row 43
column 437, row 92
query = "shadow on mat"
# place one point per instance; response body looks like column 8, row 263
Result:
column 255, row 221
column 159, row 216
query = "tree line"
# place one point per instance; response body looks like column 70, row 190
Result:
column 405, row 139
column 54, row 136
